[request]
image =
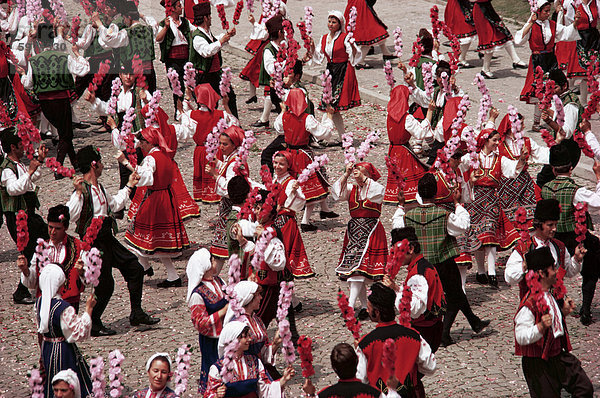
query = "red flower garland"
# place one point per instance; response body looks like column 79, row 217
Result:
column 395, row 258
column 138, row 71
column 454, row 44
column 546, row 101
column 583, row 144
column 292, row 47
column 352, row 323
column 581, row 221
column 306, row 357
column 266, row 177
column 103, row 69
column 417, row 50
column 238, row 12
column 538, row 82
column 404, row 306
column 55, row 165
column 168, row 8
column 547, row 137
column 388, row 358
column 92, row 232
column 591, row 72
column 22, row 231
column 394, row 170
column 434, row 15
column 591, row 106
column 247, row 210
column 75, row 24
column 270, row 202
column 533, row 283
column 5, row 120
column 304, row 34
column 521, row 222
column 222, row 16
column 48, row 15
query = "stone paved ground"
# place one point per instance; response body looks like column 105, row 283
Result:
column 476, row 366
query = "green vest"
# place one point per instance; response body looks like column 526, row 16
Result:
column 139, row 121
column 419, row 82
column 51, row 72
column 437, row 112
column 141, row 42
column 430, row 224
column 563, row 189
column 571, row 98
column 264, row 79
column 87, row 211
column 199, row 62
column 12, row 204
column 95, row 48
column 166, row 44
column 233, row 246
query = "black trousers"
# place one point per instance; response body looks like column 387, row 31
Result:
column 546, row 379
column 115, row 255
column 214, row 78
column 37, row 228
column 266, row 156
column 105, row 89
column 58, row 112
column 177, row 65
column 268, row 309
column 456, row 299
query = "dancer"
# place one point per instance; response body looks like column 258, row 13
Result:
column 365, row 251
column 342, row 54
column 159, row 371
column 458, row 15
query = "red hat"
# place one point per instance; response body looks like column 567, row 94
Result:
column 153, row 136
column 206, row 95
column 235, row 134
column 450, row 111
column 373, row 172
column 296, row 101
column 483, row 137
column 398, row 106
column 505, row 126
column 287, row 156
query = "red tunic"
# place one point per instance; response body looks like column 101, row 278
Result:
column 585, row 22
column 295, row 252
column 490, row 34
column 204, row 183
column 524, row 247
column 537, row 46
column 436, row 300
column 251, row 71
column 297, row 138
column 157, row 227
column 457, row 20
column 369, row 28
column 411, row 168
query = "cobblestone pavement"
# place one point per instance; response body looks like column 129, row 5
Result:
column 482, row 365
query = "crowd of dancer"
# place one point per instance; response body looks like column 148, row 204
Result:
column 462, row 193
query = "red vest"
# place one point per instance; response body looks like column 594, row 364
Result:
column 505, row 151
column 362, row 208
column 283, row 197
column 444, row 189
column 294, row 129
column 436, row 302
column 491, row 177
column 536, row 40
column 339, row 53
column 205, row 122
column 163, row 175
column 547, row 346
column 3, row 66
column 397, row 132
column 584, row 22
column 265, row 276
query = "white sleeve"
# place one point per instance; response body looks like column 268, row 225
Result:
column 350, row 45
column 31, row 281
column 339, row 191
column 221, row 183
column 526, row 330
column 146, row 171
column 275, row 254
column 118, row 201
column 420, row 97
column 398, row 218
column 459, row 221
column 100, row 107
column 566, row 33
column 204, row 48
column 87, row 38
column 571, row 117
column 151, row 21
column 268, row 389
column 321, row 131
column 259, row 32
column 117, row 140
column 375, row 192
column 269, row 62
column 509, row 167
column 572, row 266
column 419, row 288
column 75, row 328
column 521, row 39
column 27, row 78
column 426, row 360
column 278, row 125
column 112, row 37
column 79, row 66
column 17, row 186
column 187, row 128
column 591, row 198
column 513, row 274
column 419, row 130
column 75, row 205
column 295, row 200
column 18, row 49
column 318, row 56
column 11, row 25
column 541, row 154
column 593, row 143
column 361, row 368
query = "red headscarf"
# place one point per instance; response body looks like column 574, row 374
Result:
column 450, row 111
column 287, row 156
column 153, row 136
column 505, row 126
column 4, row 51
column 235, row 134
column 296, row 101
column 206, row 95
column 398, row 106
column 483, row 137
column 373, row 172
column 167, row 130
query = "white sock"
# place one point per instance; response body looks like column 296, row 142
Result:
column 463, row 276
column 464, row 48
column 339, row 123
column 487, row 61
column 362, row 295
column 295, row 299
column 266, row 109
column 252, row 90
column 490, row 254
column 510, row 49
column 145, row 262
column 355, row 290
column 308, row 211
column 479, row 259
column 384, row 49
column 171, row 271
column 325, row 206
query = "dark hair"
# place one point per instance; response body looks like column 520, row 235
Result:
column 55, row 213
column 163, row 359
column 238, row 189
column 558, row 76
column 427, row 186
column 426, row 41
column 298, row 67
column 562, row 169
column 344, row 361
column 399, row 234
column 442, row 66
column 383, row 299
column 9, row 137
column 45, row 34
column 274, row 25
column 86, row 156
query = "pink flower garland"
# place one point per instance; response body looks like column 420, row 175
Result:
column 581, row 221
column 235, row 266
column 183, row 367
column 444, row 155
column 235, row 270
column 389, row 74
column 404, row 306
column 352, row 20
column 349, row 150
column 468, row 136
column 388, row 358
column 316, row 164
column 59, row 10
column 152, row 107
column 395, row 259
column 533, row 6
column 308, row 18
column 285, row 299
column 261, row 245
column 229, row 357
column 398, row 42
column 115, row 375
column 173, row 77
column 42, row 253
column 365, row 146
column 58, row 168
column 36, row 383
column 127, row 135
column 115, row 90
column 22, row 6
column 427, row 71
column 97, row 376
column 212, row 140
column 225, row 83
column 516, row 126
column 327, row 88
column 485, row 103
column 93, row 266
column 250, row 5
column 22, row 231
column 287, row 347
column 306, row 357
column 189, row 75
column 34, row 10
column 243, row 153
column 352, row 323
column 446, row 86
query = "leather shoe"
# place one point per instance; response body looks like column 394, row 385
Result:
column 328, row 214
column 298, row 308
column 24, row 300
column 81, row 126
column 487, row 75
column 103, row 331
column 167, row 283
column 389, row 57
column 252, row 99
column 143, row 319
column 493, row 280
column 520, row 65
column 446, row 341
column 259, row 124
column 149, row 272
column 363, row 314
column 585, row 319
column 308, row 227
column 482, row 279
column 481, row 325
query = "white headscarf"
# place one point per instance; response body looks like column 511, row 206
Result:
column 244, row 291
column 159, row 354
column 339, row 15
column 69, row 377
column 540, row 3
column 51, row 279
column 230, row 332
column 197, row 266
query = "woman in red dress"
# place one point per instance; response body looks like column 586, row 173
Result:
column 401, row 127
column 157, row 229
column 342, row 55
column 365, row 251
column 458, row 15
column 566, row 51
column 493, row 34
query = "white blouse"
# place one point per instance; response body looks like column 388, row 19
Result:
column 349, row 44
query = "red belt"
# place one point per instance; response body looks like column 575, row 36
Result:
column 179, row 52
column 54, row 339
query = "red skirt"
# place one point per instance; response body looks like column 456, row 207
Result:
column 316, row 188
column 204, row 183
column 344, row 86
column 297, row 260
column 253, row 46
column 365, row 250
column 491, row 31
column 456, row 20
column 568, row 60
column 412, row 170
column 369, row 28
column 157, row 226
column 251, row 71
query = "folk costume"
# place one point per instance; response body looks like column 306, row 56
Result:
column 542, row 37
column 566, row 51
column 147, row 393
column 458, row 15
column 69, row 377
column 61, row 329
column 401, row 126
column 353, row 388
column 205, row 55
column 369, row 29
column 250, row 380
column 205, row 298
column 588, row 30
column 547, row 363
column 568, row 193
